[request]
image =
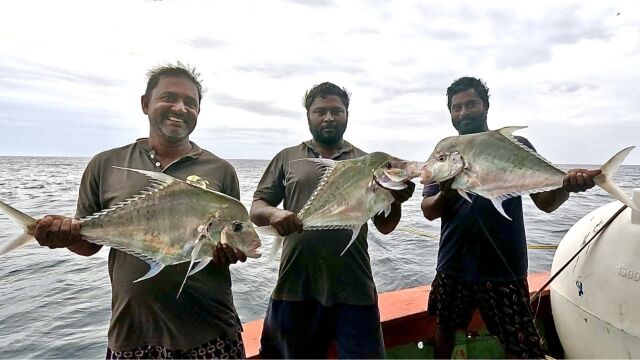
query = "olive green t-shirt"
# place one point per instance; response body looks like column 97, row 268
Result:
column 311, row 266
column 147, row 312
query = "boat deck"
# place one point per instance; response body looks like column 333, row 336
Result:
column 408, row 329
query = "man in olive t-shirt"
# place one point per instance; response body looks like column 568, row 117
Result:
column 147, row 320
column 320, row 296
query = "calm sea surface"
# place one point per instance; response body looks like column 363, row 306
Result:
column 54, row 304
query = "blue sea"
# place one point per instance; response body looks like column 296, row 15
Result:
column 54, row 304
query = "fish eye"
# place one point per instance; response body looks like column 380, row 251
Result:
column 442, row 158
column 236, row 226
column 388, row 165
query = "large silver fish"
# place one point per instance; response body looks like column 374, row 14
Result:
column 495, row 165
column 351, row 192
column 171, row 222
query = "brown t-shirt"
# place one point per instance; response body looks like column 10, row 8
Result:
column 147, row 312
column 311, row 266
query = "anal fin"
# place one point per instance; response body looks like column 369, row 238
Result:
column 498, row 205
column 354, row 235
column 156, row 267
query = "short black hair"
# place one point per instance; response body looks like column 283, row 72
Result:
column 323, row 90
column 465, row 83
column 179, row 69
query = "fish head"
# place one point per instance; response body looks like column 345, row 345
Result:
column 242, row 236
column 442, row 166
column 392, row 173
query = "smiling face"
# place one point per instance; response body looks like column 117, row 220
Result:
column 173, row 108
column 327, row 119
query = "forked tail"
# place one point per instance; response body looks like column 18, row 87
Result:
column 605, row 182
column 26, row 222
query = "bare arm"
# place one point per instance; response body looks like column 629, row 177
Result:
column 284, row 221
column 577, row 180
column 432, row 206
column 387, row 224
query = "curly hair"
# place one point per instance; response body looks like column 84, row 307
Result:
column 179, row 69
column 323, row 90
column 466, row 83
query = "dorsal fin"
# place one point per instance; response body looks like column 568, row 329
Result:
column 325, row 165
column 507, row 132
column 158, row 182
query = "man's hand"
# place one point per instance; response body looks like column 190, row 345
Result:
column 55, row 231
column 224, row 255
column 405, row 194
column 578, row 180
column 285, row 222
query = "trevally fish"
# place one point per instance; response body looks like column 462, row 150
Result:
column 350, row 192
column 496, row 166
column 170, row 222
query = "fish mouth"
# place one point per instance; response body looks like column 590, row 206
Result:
column 425, row 175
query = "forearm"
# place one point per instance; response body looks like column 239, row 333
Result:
column 261, row 212
column 432, row 206
column 549, row 201
column 84, row 248
column 387, row 224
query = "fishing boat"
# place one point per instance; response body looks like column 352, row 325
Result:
column 586, row 309
column 409, row 329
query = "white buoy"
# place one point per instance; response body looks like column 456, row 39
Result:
column 596, row 300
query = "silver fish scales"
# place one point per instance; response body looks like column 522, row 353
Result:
column 496, row 166
column 171, row 222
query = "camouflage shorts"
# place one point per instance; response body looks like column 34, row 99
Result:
column 504, row 307
column 219, row 348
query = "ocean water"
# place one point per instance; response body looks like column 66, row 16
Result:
column 54, row 304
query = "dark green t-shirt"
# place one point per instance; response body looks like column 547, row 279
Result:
column 311, row 266
column 147, row 312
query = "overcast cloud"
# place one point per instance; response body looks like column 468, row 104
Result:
column 72, row 72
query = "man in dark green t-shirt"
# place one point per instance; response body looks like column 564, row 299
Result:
column 147, row 320
column 320, row 296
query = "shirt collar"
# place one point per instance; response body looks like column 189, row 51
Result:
column 345, row 148
column 195, row 152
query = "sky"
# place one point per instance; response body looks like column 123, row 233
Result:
column 72, row 72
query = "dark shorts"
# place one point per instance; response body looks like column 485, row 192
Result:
column 504, row 307
column 305, row 329
column 222, row 347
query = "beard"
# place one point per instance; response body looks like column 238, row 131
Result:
column 471, row 124
column 171, row 132
column 329, row 135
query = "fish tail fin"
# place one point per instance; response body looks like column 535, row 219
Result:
column 605, row 181
column 270, row 231
column 26, row 222
column 275, row 247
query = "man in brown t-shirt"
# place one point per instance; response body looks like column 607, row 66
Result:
column 147, row 320
column 320, row 296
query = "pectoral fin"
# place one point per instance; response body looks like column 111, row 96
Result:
column 194, row 255
column 201, row 265
column 464, row 194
